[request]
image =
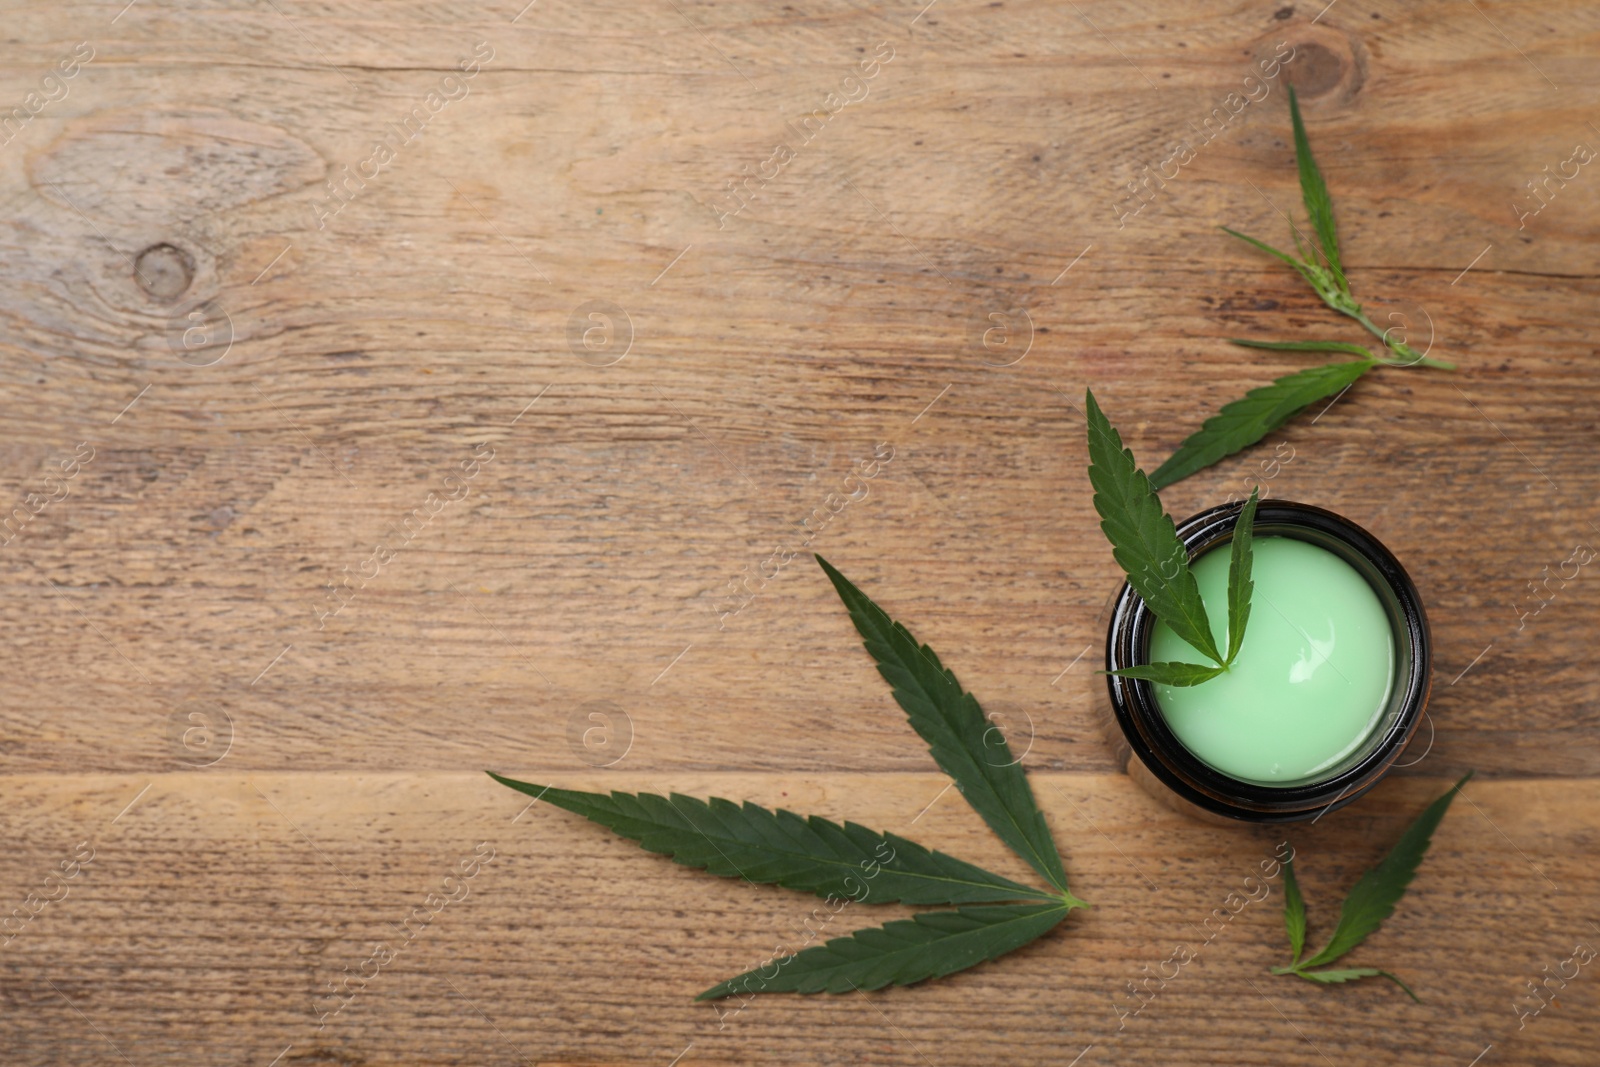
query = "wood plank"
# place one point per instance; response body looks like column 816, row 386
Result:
column 220, row 898
column 263, row 364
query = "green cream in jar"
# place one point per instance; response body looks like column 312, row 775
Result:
column 1311, row 681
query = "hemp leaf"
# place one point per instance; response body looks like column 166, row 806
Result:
column 1319, row 263
column 1145, row 542
column 1386, row 359
column 1239, row 584
column 1371, row 901
column 1314, row 191
column 812, row 854
column 961, row 739
column 1170, row 672
column 850, row 863
column 1329, row 977
column 930, row 945
column 1327, row 277
column 1143, row 538
column 1247, row 420
column 1294, row 911
column 1309, row 346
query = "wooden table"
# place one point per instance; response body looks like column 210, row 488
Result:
column 535, row 301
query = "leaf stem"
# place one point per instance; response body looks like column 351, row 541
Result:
column 1396, row 347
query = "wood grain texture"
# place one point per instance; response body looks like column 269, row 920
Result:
column 259, row 350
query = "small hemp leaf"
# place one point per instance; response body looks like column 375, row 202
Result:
column 1244, row 422
column 1370, row 902
column 1145, row 542
column 1240, row 586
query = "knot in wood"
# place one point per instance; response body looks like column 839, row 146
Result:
column 164, row 271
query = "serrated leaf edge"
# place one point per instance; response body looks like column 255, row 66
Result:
column 1043, row 856
column 1024, row 913
column 1022, row 892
